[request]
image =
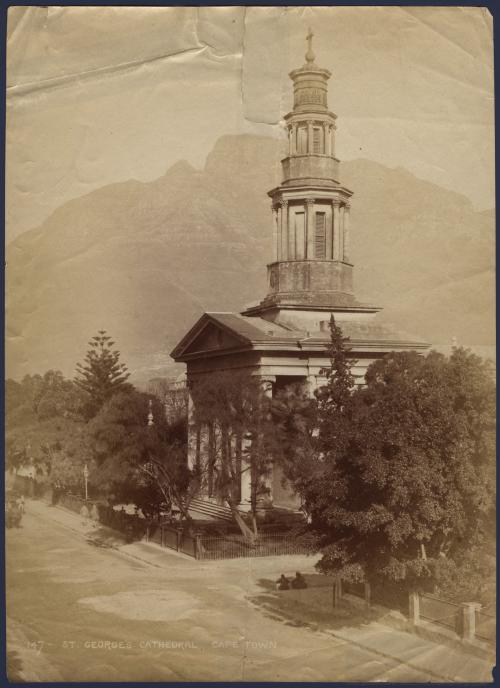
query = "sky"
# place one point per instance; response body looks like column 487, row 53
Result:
column 98, row 95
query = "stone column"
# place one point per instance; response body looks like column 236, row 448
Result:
column 312, row 385
column 291, row 235
column 289, row 129
column 278, row 228
column 341, row 233
column 309, row 136
column 192, row 434
column 294, row 139
column 266, row 502
column 330, row 149
column 310, row 228
column 284, row 230
column 347, row 237
column 246, row 478
column 267, row 382
column 336, row 232
column 329, row 234
column 276, row 247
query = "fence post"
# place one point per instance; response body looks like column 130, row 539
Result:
column 468, row 619
column 197, row 546
column 368, row 594
column 177, row 539
column 414, row 607
column 337, row 591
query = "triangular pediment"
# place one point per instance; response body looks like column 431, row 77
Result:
column 208, row 336
column 212, row 338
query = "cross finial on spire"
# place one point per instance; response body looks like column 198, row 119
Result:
column 310, row 55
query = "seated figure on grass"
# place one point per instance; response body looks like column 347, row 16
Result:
column 298, row 583
column 283, row 583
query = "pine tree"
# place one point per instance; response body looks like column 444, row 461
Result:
column 334, row 398
column 101, row 375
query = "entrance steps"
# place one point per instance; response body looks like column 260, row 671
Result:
column 210, row 510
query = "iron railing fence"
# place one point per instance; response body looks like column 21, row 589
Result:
column 194, row 544
column 440, row 611
column 486, row 624
column 130, row 524
column 228, row 546
column 172, row 538
column 234, row 547
column 351, row 588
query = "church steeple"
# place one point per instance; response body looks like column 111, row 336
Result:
column 311, row 266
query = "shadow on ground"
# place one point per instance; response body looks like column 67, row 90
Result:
column 106, row 538
column 312, row 607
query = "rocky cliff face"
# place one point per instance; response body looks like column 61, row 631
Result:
column 144, row 260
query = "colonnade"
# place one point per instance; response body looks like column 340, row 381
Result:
column 294, row 240
column 205, row 444
column 301, row 138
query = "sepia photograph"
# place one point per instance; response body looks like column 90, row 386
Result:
column 250, row 355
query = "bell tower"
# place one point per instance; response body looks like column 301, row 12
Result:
column 311, row 267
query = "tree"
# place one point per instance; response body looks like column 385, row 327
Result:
column 68, row 459
column 412, row 482
column 310, row 432
column 101, row 374
column 292, row 438
column 232, row 417
column 43, row 416
column 136, row 462
column 14, row 395
column 334, row 399
column 401, row 476
column 43, row 396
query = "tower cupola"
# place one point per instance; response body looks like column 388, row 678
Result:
column 311, row 266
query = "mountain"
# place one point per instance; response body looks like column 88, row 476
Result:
column 144, row 260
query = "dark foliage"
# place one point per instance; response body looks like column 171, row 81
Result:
column 101, row 374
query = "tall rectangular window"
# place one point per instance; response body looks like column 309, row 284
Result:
column 320, row 236
column 302, row 142
column 300, row 236
column 316, row 140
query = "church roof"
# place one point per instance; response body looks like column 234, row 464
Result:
column 251, row 328
column 223, row 333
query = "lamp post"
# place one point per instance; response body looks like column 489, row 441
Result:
column 85, row 477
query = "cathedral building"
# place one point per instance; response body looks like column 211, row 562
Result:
column 283, row 339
